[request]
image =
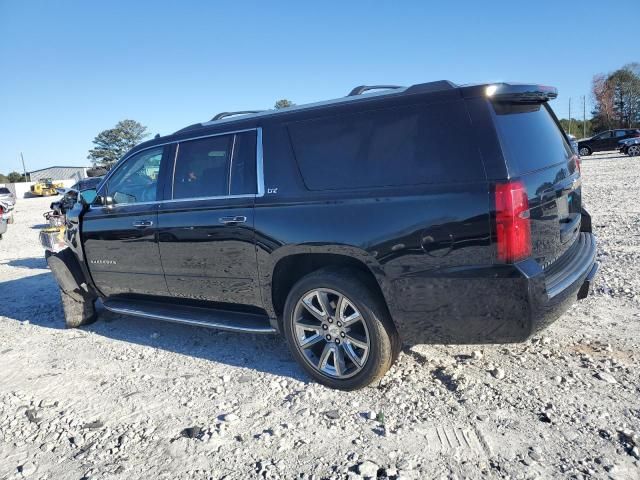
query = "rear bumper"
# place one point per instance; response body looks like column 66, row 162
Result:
column 496, row 304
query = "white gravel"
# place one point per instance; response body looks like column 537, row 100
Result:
column 132, row 398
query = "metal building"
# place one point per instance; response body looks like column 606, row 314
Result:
column 59, row 173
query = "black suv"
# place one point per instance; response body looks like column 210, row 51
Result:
column 426, row 214
column 604, row 141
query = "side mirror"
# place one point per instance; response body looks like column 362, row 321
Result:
column 106, row 202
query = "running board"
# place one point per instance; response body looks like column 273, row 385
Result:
column 202, row 317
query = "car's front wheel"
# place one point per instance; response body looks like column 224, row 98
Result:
column 339, row 330
column 633, row 150
column 584, row 151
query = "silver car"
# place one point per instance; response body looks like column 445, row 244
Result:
column 4, row 217
column 7, row 196
column 573, row 142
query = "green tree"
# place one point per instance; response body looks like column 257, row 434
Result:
column 112, row 144
column 15, row 177
column 4, row 178
column 576, row 127
column 283, row 103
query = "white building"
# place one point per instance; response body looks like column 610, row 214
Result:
column 59, row 173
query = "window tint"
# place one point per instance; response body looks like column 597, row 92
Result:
column 137, row 180
column 604, row 135
column 530, row 137
column 243, row 164
column 202, row 167
column 4, row 190
column 621, row 133
column 410, row 145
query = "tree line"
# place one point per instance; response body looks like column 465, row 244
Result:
column 616, row 98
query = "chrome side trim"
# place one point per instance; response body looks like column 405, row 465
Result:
column 124, row 159
column 198, row 323
column 259, row 170
column 259, row 164
column 177, row 200
column 233, row 149
column 173, row 175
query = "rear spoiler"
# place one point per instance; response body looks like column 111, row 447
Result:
column 512, row 92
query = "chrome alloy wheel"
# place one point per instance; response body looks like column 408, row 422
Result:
column 331, row 333
column 584, row 151
column 633, row 150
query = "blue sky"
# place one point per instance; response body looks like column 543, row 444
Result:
column 69, row 69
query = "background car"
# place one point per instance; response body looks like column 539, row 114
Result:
column 630, row 146
column 573, row 142
column 4, row 219
column 604, row 141
column 7, row 196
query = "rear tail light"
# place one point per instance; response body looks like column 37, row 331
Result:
column 578, row 166
column 513, row 228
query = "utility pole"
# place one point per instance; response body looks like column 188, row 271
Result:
column 569, row 115
column 584, row 116
column 24, row 169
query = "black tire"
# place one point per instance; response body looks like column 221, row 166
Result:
column 584, row 151
column 385, row 342
column 79, row 309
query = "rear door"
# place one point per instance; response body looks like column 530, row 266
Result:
column 119, row 240
column 206, row 221
column 537, row 153
column 602, row 141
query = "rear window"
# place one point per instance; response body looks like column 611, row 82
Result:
column 530, row 138
column 417, row 144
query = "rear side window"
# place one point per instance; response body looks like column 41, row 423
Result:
column 4, row 190
column 530, row 138
column 216, row 166
column 418, row 144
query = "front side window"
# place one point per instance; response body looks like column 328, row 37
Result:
column 137, row 180
column 604, row 136
column 216, row 166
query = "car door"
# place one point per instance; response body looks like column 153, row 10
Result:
column 619, row 135
column 601, row 142
column 206, row 221
column 119, row 231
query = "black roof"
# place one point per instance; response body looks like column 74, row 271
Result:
column 356, row 98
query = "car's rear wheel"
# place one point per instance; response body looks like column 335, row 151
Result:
column 339, row 330
column 633, row 150
column 584, row 151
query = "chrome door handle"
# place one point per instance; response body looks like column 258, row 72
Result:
column 232, row 220
column 142, row 223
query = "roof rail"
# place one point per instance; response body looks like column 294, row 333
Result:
column 222, row 115
column 365, row 88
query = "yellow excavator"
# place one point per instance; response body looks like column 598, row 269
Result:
column 45, row 187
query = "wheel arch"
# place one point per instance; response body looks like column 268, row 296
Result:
column 291, row 267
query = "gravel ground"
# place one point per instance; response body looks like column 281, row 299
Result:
column 133, row 398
